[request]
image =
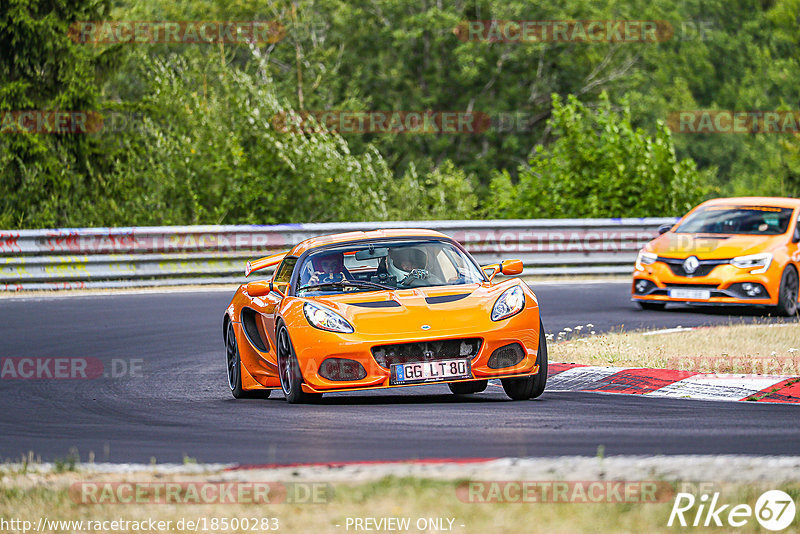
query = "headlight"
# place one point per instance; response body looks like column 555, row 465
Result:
column 326, row 319
column 759, row 262
column 509, row 303
column 645, row 258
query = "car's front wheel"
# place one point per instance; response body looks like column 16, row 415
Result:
column 540, row 380
column 234, row 365
column 289, row 370
column 530, row 387
column 787, row 294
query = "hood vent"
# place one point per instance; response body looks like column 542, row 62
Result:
column 441, row 299
column 376, row 304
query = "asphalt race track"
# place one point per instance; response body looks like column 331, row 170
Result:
column 178, row 405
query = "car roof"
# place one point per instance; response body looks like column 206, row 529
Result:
column 325, row 240
column 778, row 202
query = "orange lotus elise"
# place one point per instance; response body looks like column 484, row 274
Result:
column 383, row 309
column 725, row 251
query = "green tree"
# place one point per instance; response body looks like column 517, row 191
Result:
column 42, row 69
column 447, row 192
column 599, row 165
column 207, row 151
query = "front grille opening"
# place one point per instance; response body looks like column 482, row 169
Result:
column 691, row 286
column 444, row 349
column 506, row 356
column 642, row 287
column 703, row 269
column 342, row 369
column 749, row 290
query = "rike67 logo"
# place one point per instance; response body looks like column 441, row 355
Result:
column 774, row 510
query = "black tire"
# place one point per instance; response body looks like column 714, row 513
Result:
column 652, row 305
column 468, row 388
column 289, row 370
column 529, row 387
column 540, row 380
column 234, row 369
column 787, row 294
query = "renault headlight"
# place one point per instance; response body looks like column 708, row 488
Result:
column 325, row 319
column 759, row 262
column 645, row 258
column 509, row 303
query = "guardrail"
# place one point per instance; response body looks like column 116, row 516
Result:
column 178, row 255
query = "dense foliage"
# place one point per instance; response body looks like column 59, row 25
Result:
column 578, row 129
column 598, row 165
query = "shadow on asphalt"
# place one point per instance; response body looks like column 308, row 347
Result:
column 364, row 399
column 732, row 311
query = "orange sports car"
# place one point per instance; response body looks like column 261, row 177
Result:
column 725, row 251
column 383, row 309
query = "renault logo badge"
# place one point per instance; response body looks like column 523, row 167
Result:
column 691, row 264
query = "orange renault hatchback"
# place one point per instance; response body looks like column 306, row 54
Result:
column 725, row 251
column 383, row 309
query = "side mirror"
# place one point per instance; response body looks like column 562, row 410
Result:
column 258, row 289
column 511, row 267
column 664, row 228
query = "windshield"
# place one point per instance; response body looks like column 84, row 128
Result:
column 381, row 265
column 751, row 220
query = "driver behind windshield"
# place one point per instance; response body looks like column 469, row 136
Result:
column 407, row 264
column 328, row 268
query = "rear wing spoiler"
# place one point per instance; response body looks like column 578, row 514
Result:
column 256, row 265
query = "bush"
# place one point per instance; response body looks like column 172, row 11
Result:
column 598, row 166
column 446, row 192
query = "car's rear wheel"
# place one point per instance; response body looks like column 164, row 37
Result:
column 289, row 370
column 652, row 305
column 234, row 367
column 530, row 387
column 468, row 388
column 787, row 294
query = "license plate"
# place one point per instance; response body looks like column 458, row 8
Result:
column 697, row 294
column 409, row 373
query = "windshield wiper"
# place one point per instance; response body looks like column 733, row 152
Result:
column 347, row 283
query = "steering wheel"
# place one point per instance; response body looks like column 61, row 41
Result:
column 415, row 274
